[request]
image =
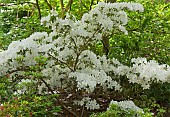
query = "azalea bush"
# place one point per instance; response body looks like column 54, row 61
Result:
column 124, row 108
column 65, row 59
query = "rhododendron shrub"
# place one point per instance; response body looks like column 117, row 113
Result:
column 64, row 58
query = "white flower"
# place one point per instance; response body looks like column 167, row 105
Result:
column 122, row 28
column 88, row 102
column 92, row 104
column 47, row 19
column 68, row 49
column 53, row 13
column 148, row 72
column 126, row 105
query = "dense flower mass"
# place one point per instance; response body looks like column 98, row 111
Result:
column 145, row 72
column 88, row 102
column 126, row 105
column 64, row 53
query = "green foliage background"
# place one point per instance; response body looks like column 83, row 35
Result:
column 148, row 36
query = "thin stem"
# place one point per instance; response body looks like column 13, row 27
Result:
column 91, row 4
column 61, row 61
column 68, row 5
column 62, row 9
column 84, row 5
column 59, row 101
column 19, row 69
column 38, row 7
column 49, row 5
column 93, row 35
column 77, row 59
column 49, row 88
column 82, row 111
column 106, row 45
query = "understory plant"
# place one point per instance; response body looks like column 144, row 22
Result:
column 124, row 108
column 30, row 106
column 64, row 59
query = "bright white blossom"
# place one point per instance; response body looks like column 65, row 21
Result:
column 88, row 102
column 145, row 72
column 69, row 58
column 126, row 105
column 23, row 86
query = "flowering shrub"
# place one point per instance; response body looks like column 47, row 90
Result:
column 125, row 105
column 64, row 58
column 124, row 108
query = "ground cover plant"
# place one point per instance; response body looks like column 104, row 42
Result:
column 67, row 60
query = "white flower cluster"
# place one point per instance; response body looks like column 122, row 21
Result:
column 23, row 86
column 126, row 105
column 109, row 16
column 145, row 72
column 88, row 77
column 67, row 49
column 88, row 102
column 142, row 72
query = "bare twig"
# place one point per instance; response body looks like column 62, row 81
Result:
column 59, row 101
column 84, row 5
column 49, row 88
column 77, row 60
column 68, row 5
column 62, row 9
column 106, row 45
column 61, row 61
column 91, row 4
column 49, row 5
column 82, row 111
column 38, row 7
column 19, row 69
